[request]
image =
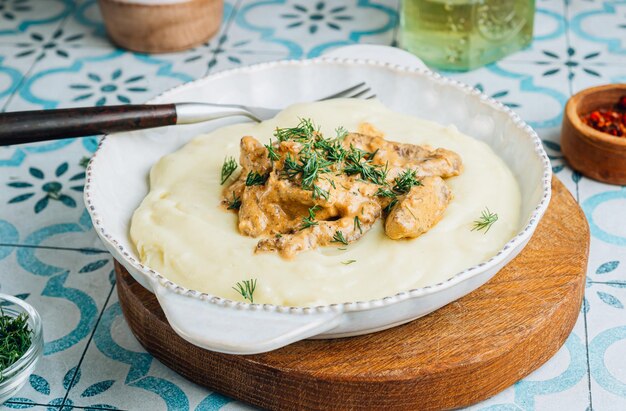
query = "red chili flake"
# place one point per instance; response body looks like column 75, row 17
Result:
column 611, row 121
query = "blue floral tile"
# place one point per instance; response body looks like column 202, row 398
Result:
column 530, row 90
column 600, row 75
column 115, row 355
column 44, row 199
column 318, row 25
column 96, row 77
column 607, row 344
column 86, row 21
column 561, row 383
column 548, row 31
column 69, row 289
column 12, row 71
column 18, row 18
column 599, row 27
column 604, row 206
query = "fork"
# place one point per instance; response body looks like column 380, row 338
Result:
column 44, row 125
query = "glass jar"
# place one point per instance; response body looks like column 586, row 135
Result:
column 465, row 34
column 14, row 377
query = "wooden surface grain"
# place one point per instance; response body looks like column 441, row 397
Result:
column 459, row 355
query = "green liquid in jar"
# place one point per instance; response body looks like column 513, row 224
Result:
column 465, row 34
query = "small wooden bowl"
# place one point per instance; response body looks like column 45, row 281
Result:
column 595, row 154
column 161, row 26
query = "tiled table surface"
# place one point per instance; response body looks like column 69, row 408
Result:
column 53, row 53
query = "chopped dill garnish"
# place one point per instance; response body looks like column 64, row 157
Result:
column 271, row 152
column 331, row 149
column 303, row 132
column 486, row 220
column 339, row 238
column 348, row 262
column 256, row 179
column 15, row 339
column 404, row 181
column 235, row 203
column 319, row 192
column 279, row 235
column 359, row 162
column 246, row 289
column 229, row 167
column 312, row 166
column 84, row 161
column 309, row 166
column 341, row 133
column 357, row 224
column 385, row 192
column 310, row 220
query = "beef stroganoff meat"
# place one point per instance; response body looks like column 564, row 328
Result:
column 305, row 190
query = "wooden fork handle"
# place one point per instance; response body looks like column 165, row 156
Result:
column 31, row 126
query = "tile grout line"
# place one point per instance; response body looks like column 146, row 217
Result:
column 30, row 404
column 19, row 85
column 568, row 43
column 35, row 62
column 82, row 357
column 605, row 282
column 217, row 37
column 46, row 247
column 396, row 30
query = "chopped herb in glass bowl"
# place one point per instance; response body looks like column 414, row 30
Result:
column 21, row 344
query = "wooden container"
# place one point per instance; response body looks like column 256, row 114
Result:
column 160, row 26
column 595, row 154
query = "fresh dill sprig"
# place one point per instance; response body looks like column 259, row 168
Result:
column 256, row 179
column 359, row 162
column 229, row 167
column 304, row 132
column 341, row 133
column 357, row 224
column 319, row 192
column 385, row 192
column 15, row 339
column 246, row 289
column 84, row 161
column 331, row 149
column 312, row 167
column 271, row 152
column 235, row 203
column 404, row 181
column 339, row 238
column 486, row 220
column 310, row 220
column 348, row 262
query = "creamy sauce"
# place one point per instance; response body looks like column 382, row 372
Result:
column 181, row 231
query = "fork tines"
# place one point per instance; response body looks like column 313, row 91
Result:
column 361, row 90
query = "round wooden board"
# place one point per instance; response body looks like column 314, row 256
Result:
column 459, row 355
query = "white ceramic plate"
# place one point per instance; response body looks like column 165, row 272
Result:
column 117, row 182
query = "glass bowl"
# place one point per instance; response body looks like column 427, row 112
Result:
column 14, row 377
